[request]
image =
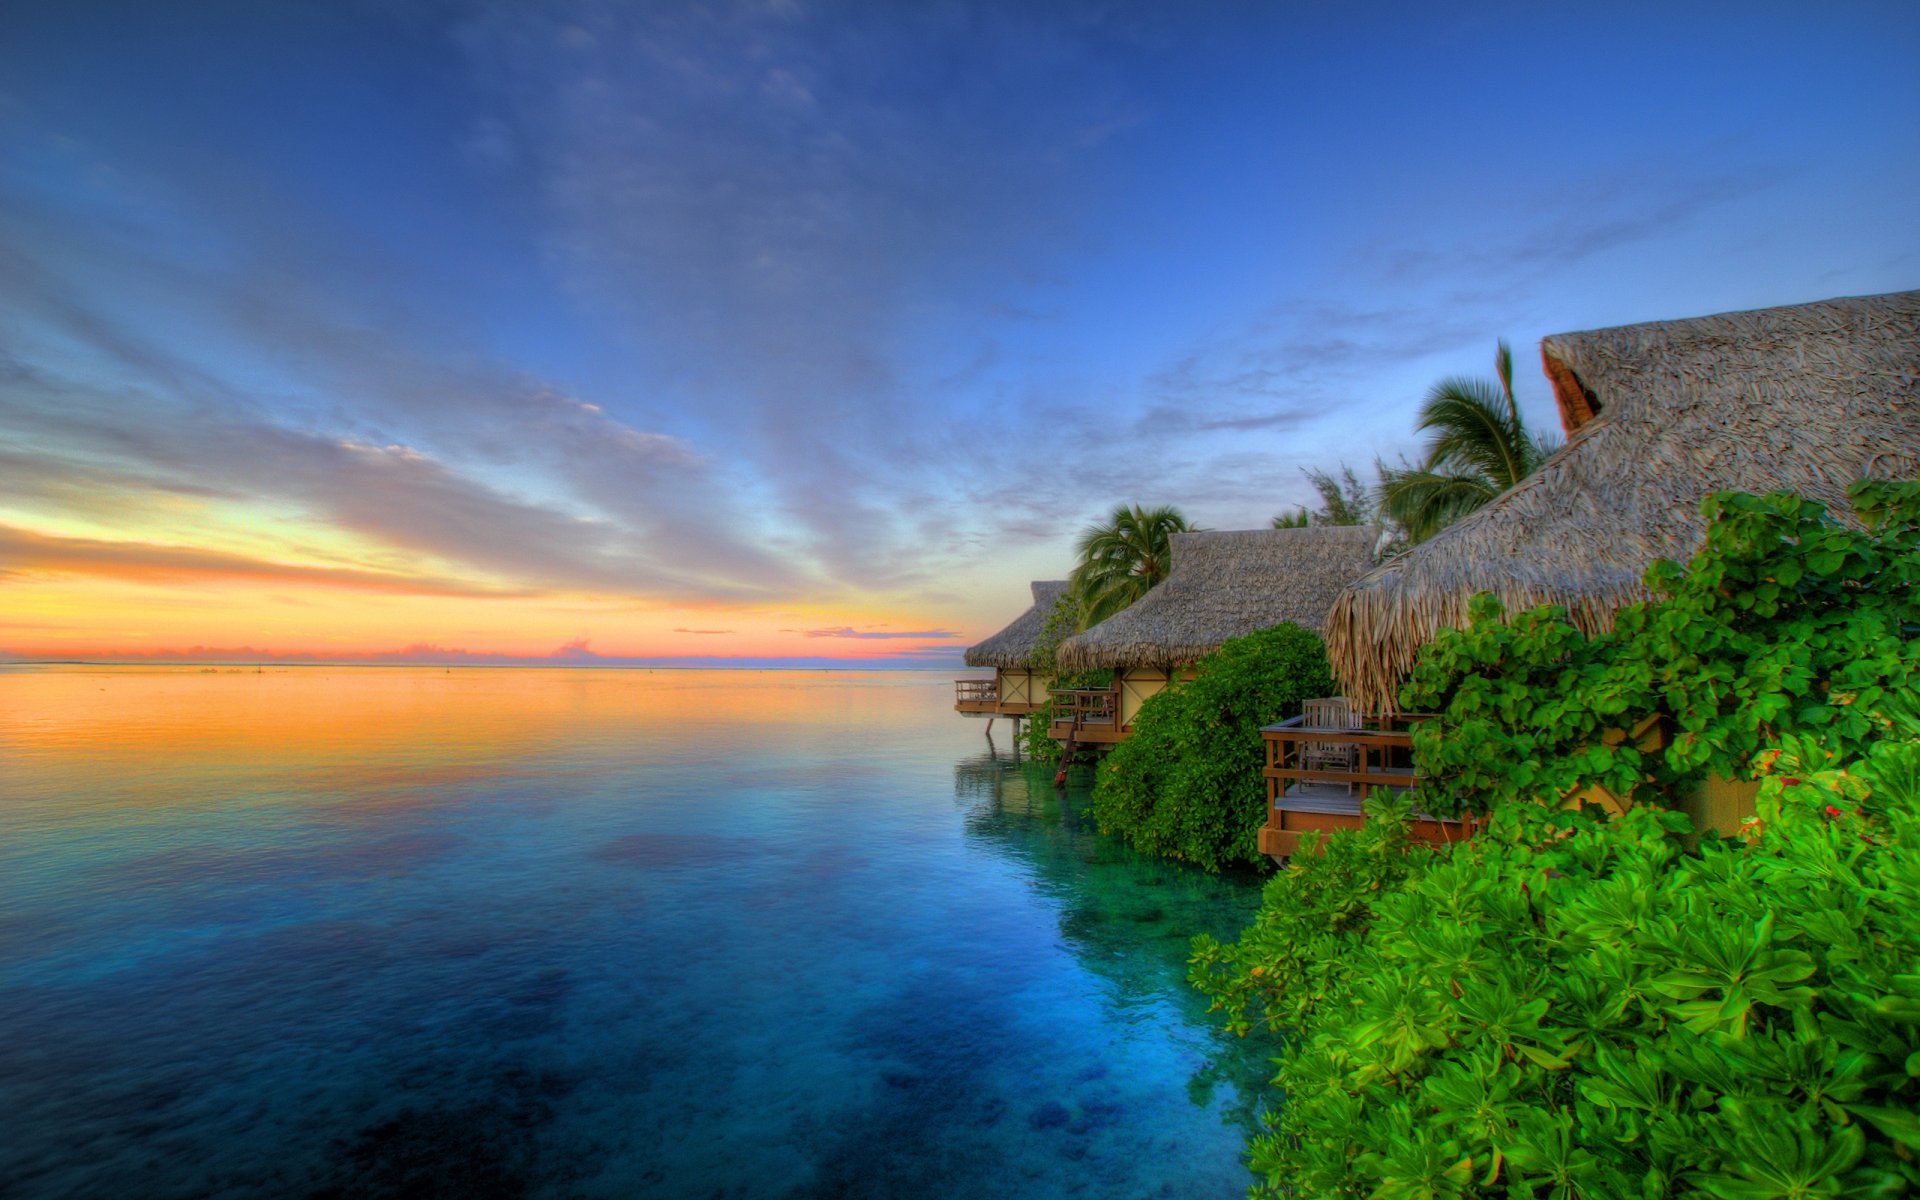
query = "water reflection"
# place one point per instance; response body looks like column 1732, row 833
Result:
column 1128, row 918
column 397, row 932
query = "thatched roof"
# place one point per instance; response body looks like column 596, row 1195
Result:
column 1226, row 585
column 1013, row 646
column 1806, row 398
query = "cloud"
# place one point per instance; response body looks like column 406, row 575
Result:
column 414, row 506
column 847, row 631
column 766, row 198
column 24, row 552
column 620, row 509
column 707, row 632
column 1559, row 228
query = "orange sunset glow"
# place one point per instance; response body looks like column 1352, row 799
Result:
column 226, row 590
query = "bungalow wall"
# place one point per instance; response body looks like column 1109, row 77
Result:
column 1135, row 686
column 1022, row 690
column 1718, row 804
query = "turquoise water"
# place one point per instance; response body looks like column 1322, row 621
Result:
column 409, row 932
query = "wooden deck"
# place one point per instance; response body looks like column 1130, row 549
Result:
column 977, row 696
column 1083, row 715
column 1304, row 799
column 982, row 698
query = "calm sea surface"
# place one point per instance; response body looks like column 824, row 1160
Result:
column 384, row 932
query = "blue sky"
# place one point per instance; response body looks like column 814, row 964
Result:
column 595, row 323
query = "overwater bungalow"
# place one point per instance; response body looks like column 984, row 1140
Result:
column 1220, row 585
column 1804, row 398
column 1017, row 688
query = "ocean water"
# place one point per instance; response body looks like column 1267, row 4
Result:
column 414, row 932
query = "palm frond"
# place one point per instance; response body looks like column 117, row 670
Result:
column 1422, row 502
column 1473, row 430
column 1344, row 500
column 1121, row 558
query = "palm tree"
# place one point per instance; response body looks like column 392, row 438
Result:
column 1344, row 500
column 1122, row 558
column 1479, row 448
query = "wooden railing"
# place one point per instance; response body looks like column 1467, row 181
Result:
column 1319, row 793
column 1382, row 753
column 1085, row 707
column 976, row 691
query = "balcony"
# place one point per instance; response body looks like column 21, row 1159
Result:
column 1086, row 715
column 976, row 696
column 1317, row 776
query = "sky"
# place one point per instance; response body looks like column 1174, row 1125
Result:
column 781, row 332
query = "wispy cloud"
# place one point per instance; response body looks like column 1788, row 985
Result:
column 26, row 552
column 764, row 199
column 622, row 509
column 847, row 631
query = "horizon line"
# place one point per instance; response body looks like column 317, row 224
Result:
column 532, row 665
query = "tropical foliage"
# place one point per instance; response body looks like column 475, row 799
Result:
column 1344, row 500
column 1478, row 447
column 1572, row 1008
column 1122, row 558
column 1187, row 781
column 1569, row 1006
column 1784, row 621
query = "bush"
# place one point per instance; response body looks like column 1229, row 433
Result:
column 1783, row 622
column 1187, row 783
column 1570, row 1008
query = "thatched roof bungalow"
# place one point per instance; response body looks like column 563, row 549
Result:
column 1225, row 585
column 1805, row 398
column 1017, row 687
column 1014, row 645
column 1221, row 585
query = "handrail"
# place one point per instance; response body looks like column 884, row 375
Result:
column 1372, row 723
column 1377, row 747
column 1085, row 706
column 976, row 691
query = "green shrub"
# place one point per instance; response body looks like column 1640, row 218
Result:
column 1572, row 1008
column 1187, row 783
column 1279, row 971
column 1783, row 622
